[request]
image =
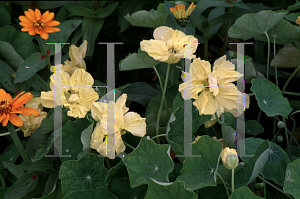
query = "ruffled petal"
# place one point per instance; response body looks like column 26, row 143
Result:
column 135, row 124
column 205, row 103
column 156, row 49
column 47, row 99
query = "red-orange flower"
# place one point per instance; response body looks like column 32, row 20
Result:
column 35, row 23
column 9, row 107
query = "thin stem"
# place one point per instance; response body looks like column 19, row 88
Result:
column 17, row 141
column 274, row 187
column 41, row 45
column 224, row 184
column 289, row 79
column 275, row 61
column 128, row 145
column 232, row 180
column 251, row 94
column 265, row 188
column 287, row 138
column 274, row 128
column 41, row 81
column 226, row 33
column 161, row 103
column 5, row 134
column 161, row 85
column 160, row 135
column 268, row 65
column 274, row 137
column 291, row 93
column 2, row 180
column 258, row 115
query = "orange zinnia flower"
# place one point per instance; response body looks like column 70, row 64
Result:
column 35, row 23
column 180, row 13
column 9, row 107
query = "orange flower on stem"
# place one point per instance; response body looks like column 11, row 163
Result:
column 9, row 107
column 35, row 23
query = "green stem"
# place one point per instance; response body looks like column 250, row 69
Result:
column 41, row 81
column 251, row 94
column 160, row 135
column 41, row 45
column 128, row 145
column 265, row 188
column 289, row 79
column 291, row 93
column 5, row 134
column 289, row 132
column 226, row 33
column 161, row 86
column 274, row 127
column 275, row 62
column 161, row 103
column 287, row 138
column 258, row 115
column 224, row 184
column 268, row 65
column 274, row 187
column 17, row 141
column 2, row 180
column 274, row 137
column 232, row 180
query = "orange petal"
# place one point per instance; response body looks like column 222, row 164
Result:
column 22, row 100
column 28, row 15
column 15, row 120
column 44, row 35
column 48, row 17
column 27, row 29
column 5, row 120
column 38, row 14
column 28, row 111
column 32, row 14
column 52, row 23
column 37, row 31
column 26, row 24
column 32, row 32
column 51, row 29
column 25, row 19
column 2, row 117
column 2, row 94
column 8, row 96
column 15, row 99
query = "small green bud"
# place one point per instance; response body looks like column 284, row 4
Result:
column 258, row 186
column 280, row 125
column 279, row 138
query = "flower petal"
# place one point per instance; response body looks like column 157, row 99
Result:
column 25, row 19
column 51, row 29
column 32, row 14
column 47, row 16
column 97, row 137
column 44, row 35
column 25, row 24
column 47, row 99
column 29, row 16
column 2, row 116
column 15, row 120
column 156, row 49
column 52, row 23
column 205, row 103
column 22, row 100
column 28, row 111
column 28, row 29
column 2, row 94
column 135, row 124
column 5, row 120
column 38, row 14
column 32, row 32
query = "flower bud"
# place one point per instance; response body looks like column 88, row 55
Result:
column 230, row 158
column 258, row 186
column 279, row 139
column 280, row 125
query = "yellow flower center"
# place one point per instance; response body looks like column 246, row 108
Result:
column 73, row 98
column 39, row 24
column 5, row 106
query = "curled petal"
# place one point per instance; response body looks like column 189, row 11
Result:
column 135, row 124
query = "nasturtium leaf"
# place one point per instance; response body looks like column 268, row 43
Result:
column 85, row 140
column 292, row 17
column 35, row 141
column 66, row 29
column 295, row 152
column 296, row 6
column 254, row 166
column 3, row 191
column 281, row 37
column 21, row 41
column 44, row 149
column 226, row 173
column 87, row 173
column 116, row 172
column 229, row 119
column 243, row 193
column 98, row 193
column 253, row 127
column 148, row 160
column 150, row 19
column 30, row 67
column 121, row 188
column 6, row 73
column 176, row 172
column 10, row 155
column 173, row 190
column 292, row 180
column 217, row 192
column 140, row 92
column 24, row 185
column 199, row 172
column 251, row 25
column 269, row 98
column 287, row 57
column 137, row 60
column 251, row 145
column 229, row 136
column 9, row 54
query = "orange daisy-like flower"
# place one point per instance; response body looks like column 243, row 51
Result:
column 35, row 23
column 9, row 107
column 180, row 13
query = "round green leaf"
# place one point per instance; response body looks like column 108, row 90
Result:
column 229, row 136
column 148, row 160
column 292, row 180
column 98, row 193
column 168, row 190
column 118, row 171
column 253, row 24
column 269, row 98
column 199, row 172
column 121, row 188
column 243, row 193
column 253, row 127
column 86, row 173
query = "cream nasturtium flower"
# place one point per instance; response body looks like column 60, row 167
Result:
column 77, row 56
column 124, row 120
column 77, row 93
column 229, row 158
column 218, row 93
column 168, row 45
column 31, row 123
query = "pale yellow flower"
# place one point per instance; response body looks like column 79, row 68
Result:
column 124, row 120
column 218, row 93
column 168, row 45
column 77, row 93
column 77, row 56
column 31, row 123
column 229, row 158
